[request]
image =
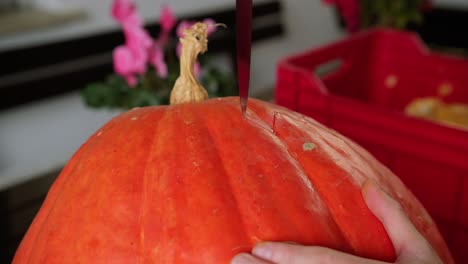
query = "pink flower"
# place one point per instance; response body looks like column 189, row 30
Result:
column 124, row 64
column 137, row 44
column 167, row 20
column 350, row 11
column 211, row 25
column 136, row 37
column 124, row 11
column 156, row 53
column 132, row 58
column 140, row 49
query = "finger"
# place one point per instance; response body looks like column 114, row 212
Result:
column 399, row 227
column 245, row 258
column 282, row 253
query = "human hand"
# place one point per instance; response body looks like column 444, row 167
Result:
column 410, row 246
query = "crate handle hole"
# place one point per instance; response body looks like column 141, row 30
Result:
column 328, row 68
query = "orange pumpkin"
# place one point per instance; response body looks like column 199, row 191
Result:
column 199, row 182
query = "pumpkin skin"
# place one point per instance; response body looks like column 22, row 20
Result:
column 199, row 183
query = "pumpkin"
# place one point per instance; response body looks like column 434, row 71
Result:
column 199, row 182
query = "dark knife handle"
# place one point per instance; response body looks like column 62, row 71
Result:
column 243, row 44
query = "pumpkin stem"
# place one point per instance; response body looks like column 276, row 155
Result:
column 187, row 88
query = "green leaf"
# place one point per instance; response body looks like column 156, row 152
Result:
column 97, row 95
column 140, row 97
column 391, row 13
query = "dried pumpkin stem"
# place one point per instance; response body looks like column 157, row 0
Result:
column 187, row 88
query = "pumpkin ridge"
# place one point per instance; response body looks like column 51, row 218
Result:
column 189, row 178
column 284, row 145
column 331, row 159
column 147, row 182
column 201, row 115
column 151, row 186
column 301, row 233
column 274, row 117
column 345, row 243
column 178, row 119
column 230, row 182
column 252, row 123
column 254, row 120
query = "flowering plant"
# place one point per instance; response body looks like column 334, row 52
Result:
column 145, row 68
column 359, row 14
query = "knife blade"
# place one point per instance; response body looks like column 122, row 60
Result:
column 243, row 48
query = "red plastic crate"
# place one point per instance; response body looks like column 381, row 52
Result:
column 371, row 77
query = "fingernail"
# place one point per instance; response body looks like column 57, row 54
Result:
column 262, row 250
column 292, row 243
column 244, row 258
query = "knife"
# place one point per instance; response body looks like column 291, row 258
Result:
column 243, row 48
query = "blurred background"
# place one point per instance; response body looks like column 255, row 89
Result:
column 57, row 81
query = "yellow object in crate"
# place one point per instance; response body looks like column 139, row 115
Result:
column 432, row 108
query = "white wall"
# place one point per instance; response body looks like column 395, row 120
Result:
column 41, row 136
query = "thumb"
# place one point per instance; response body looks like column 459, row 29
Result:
column 409, row 244
column 287, row 253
